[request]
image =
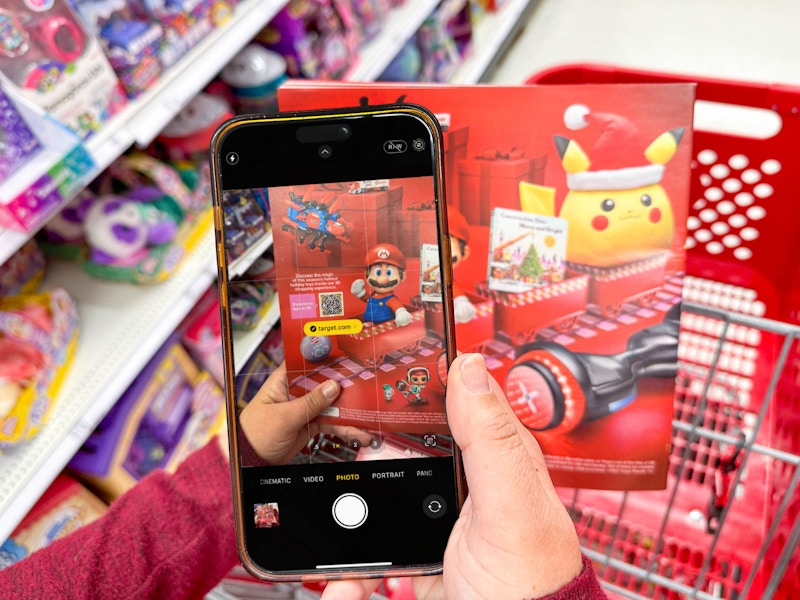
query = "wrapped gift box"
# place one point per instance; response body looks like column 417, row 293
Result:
column 372, row 344
column 611, row 287
column 368, row 215
column 518, row 316
column 492, row 180
column 413, row 227
column 469, row 336
column 455, row 150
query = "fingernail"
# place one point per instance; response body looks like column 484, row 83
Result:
column 330, row 389
column 475, row 375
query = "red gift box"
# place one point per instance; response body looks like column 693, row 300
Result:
column 471, row 336
column 371, row 345
column 611, row 287
column 492, row 180
column 368, row 216
column 413, row 228
column 518, row 316
column 455, row 150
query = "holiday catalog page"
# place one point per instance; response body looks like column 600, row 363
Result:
column 567, row 209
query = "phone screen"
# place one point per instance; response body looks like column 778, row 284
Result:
column 353, row 207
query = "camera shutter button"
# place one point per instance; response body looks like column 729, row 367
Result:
column 350, row 511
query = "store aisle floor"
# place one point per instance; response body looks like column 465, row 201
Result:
column 729, row 39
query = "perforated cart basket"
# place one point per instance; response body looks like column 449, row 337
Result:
column 727, row 525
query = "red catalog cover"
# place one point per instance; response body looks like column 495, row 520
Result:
column 567, row 209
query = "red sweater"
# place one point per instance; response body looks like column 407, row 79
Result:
column 171, row 536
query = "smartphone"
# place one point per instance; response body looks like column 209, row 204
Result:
column 353, row 203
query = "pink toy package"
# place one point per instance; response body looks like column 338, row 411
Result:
column 50, row 58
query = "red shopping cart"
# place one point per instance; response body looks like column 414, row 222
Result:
column 727, row 525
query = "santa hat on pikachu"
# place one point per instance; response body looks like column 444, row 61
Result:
column 620, row 159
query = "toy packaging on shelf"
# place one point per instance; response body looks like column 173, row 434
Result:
column 188, row 135
column 443, row 40
column 138, row 225
column 130, row 37
column 727, row 525
column 201, row 335
column 20, row 144
column 53, row 61
column 185, row 23
column 170, row 410
column 319, row 39
column 253, row 77
column 63, row 508
column 259, row 366
column 437, row 49
column 44, row 176
column 38, row 336
column 591, row 376
column 246, row 221
column 252, row 293
column 23, row 272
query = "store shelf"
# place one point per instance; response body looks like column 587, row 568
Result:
column 247, row 342
column 253, row 253
column 121, row 327
column 144, row 117
column 492, row 34
column 401, row 25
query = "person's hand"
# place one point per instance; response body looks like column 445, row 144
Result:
column 278, row 428
column 513, row 539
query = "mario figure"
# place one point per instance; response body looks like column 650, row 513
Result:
column 463, row 309
column 411, row 387
column 385, row 270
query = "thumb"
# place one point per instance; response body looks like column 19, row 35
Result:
column 498, row 452
column 494, row 444
column 298, row 412
column 513, row 517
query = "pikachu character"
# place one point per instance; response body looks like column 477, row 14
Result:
column 616, row 210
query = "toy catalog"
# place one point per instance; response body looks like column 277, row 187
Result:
column 350, row 300
column 567, row 209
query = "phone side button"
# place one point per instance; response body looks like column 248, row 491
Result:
column 350, row 511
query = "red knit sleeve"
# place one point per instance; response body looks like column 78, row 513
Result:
column 171, row 536
column 584, row 587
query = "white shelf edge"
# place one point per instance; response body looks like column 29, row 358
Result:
column 11, row 240
column 489, row 34
column 251, row 255
column 402, row 23
column 177, row 86
column 103, row 368
column 248, row 341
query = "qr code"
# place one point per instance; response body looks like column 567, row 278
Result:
column 331, row 304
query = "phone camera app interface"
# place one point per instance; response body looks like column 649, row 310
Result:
column 357, row 282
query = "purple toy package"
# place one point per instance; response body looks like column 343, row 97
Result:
column 18, row 144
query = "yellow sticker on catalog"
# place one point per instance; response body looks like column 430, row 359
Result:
column 334, row 327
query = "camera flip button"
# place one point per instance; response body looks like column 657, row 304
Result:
column 350, row 511
column 434, row 506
